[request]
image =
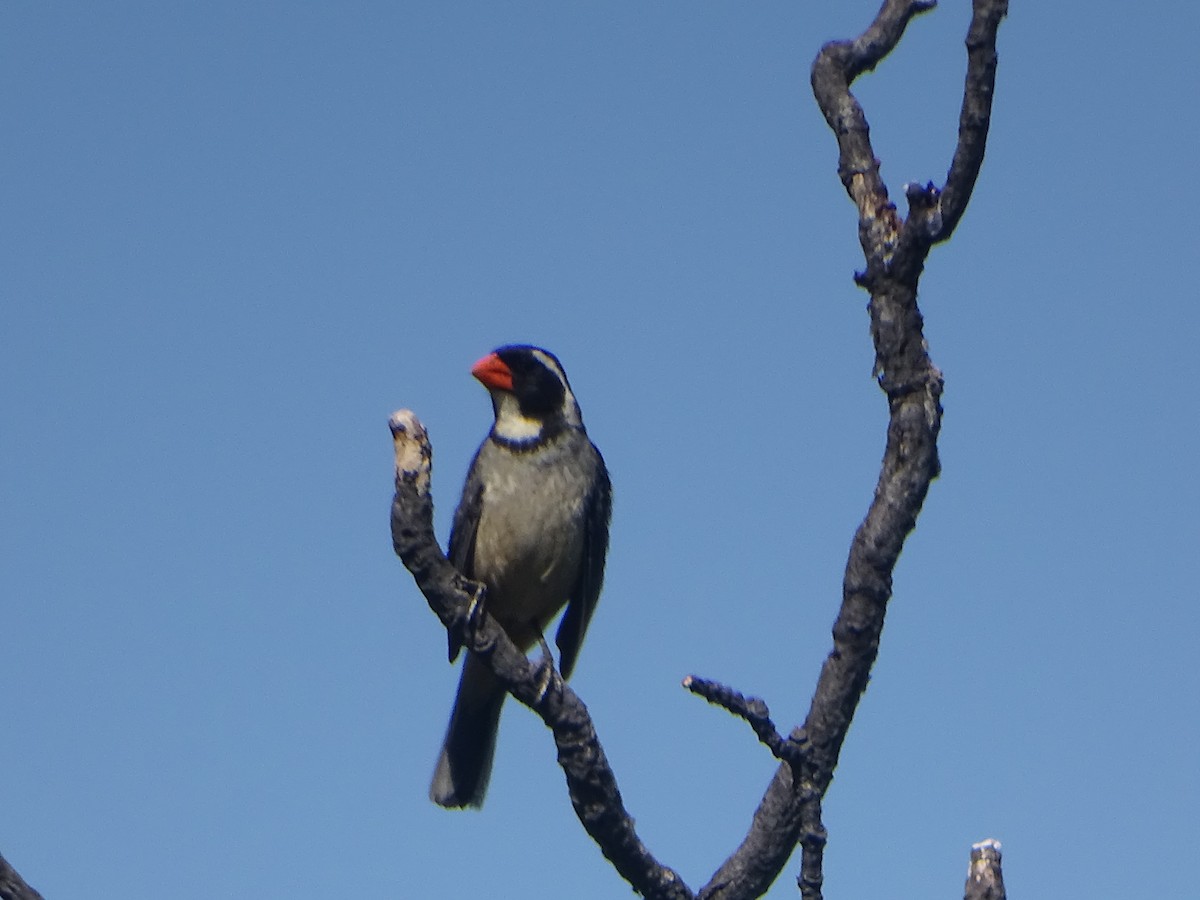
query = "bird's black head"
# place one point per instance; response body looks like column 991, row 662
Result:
column 538, row 380
column 530, row 393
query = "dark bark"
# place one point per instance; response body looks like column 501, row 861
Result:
column 895, row 249
column 13, row 886
column 754, row 711
column 984, row 879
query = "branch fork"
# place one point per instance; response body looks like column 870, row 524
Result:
column 895, row 250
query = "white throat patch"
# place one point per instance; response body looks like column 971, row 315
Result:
column 514, row 426
column 510, row 424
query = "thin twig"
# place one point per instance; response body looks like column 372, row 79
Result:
column 754, row 711
column 812, row 846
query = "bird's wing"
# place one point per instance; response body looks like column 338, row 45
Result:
column 591, row 573
column 462, row 538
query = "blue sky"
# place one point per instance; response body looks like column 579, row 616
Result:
column 236, row 236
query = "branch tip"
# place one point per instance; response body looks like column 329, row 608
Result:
column 985, row 881
column 413, row 453
column 754, row 711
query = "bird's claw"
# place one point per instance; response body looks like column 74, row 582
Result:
column 464, row 631
column 547, row 673
column 477, row 609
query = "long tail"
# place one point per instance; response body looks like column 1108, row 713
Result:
column 465, row 764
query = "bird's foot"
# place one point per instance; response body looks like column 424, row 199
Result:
column 547, row 673
column 465, row 629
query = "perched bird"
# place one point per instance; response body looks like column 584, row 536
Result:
column 532, row 525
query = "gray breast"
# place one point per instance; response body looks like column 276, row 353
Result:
column 529, row 543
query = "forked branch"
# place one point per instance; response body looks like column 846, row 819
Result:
column 895, row 250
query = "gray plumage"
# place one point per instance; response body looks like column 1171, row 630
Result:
column 532, row 525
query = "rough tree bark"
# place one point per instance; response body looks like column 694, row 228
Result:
column 13, row 886
column 895, row 249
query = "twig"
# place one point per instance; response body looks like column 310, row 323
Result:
column 754, row 711
column 812, row 846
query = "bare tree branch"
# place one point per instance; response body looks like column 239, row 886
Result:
column 976, row 115
column 590, row 780
column 835, row 68
column 13, row 886
column 895, row 252
column 754, row 711
column 984, row 878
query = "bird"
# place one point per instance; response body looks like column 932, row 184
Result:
column 532, row 526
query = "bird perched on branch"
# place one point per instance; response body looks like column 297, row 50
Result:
column 532, row 525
